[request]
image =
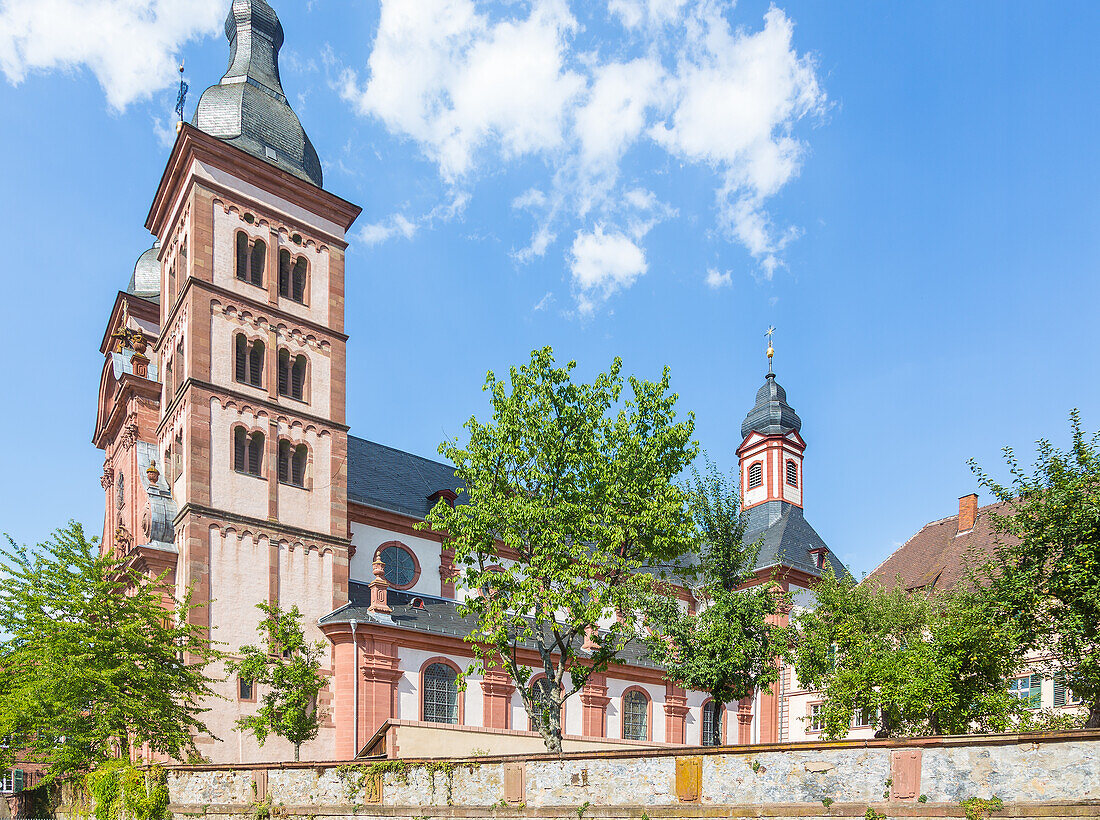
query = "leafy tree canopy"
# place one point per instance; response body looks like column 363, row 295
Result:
column 731, row 647
column 1048, row 572
column 289, row 668
column 569, row 503
column 93, row 663
column 926, row 664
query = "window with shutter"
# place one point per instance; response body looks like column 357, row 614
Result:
column 19, row 780
column 284, row 273
column 241, row 351
column 240, row 450
column 255, row 453
column 298, row 287
column 298, row 377
column 792, row 474
column 298, row 466
column 756, row 475
column 284, row 372
column 242, row 256
column 256, row 364
column 256, row 269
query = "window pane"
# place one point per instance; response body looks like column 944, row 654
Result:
column 399, row 566
column 635, row 716
column 440, row 694
column 712, row 724
column 540, row 694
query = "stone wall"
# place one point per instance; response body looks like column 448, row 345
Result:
column 1043, row 775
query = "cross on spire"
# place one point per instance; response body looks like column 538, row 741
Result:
column 771, row 350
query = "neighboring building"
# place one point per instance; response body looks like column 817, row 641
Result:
column 937, row 559
column 229, row 467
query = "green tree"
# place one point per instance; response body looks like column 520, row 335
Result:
column 93, row 662
column 729, row 648
column 1048, row 571
column 289, row 668
column 926, row 664
column 570, row 502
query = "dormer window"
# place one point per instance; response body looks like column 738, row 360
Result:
column 792, row 473
column 756, row 475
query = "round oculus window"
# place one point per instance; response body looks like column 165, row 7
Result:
column 400, row 567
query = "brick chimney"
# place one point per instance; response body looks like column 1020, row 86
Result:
column 968, row 512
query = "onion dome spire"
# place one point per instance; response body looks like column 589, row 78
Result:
column 771, row 415
column 248, row 108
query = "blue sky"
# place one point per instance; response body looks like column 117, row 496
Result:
column 908, row 192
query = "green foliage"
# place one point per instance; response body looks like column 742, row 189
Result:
column 355, row 776
column 929, row 664
column 871, row 814
column 923, row 798
column 121, row 790
column 827, row 801
column 727, row 649
column 582, row 808
column 977, row 808
column 96, row 657
column 289, row 668
column 571, row 500
column 1047, row 575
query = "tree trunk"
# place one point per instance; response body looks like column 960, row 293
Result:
column 1093, row 721
column 297, row 752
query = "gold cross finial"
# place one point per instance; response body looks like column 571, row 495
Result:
column 771, row 350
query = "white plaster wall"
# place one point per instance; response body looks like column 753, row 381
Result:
column 367, row 539
column 229, row 490
column 615, row 689
column 408, row 687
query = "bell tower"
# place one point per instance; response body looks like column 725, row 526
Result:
column 252, row 434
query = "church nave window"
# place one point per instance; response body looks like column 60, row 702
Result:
column 400, row 566
column 756, row 475
column 792, row 473
column 251, row 257
column 712, row 723
column 440, row 695
column 635, row 715
column 540, row 699
column 248, row 452
column 292, row 375
column 292, row 277
column 292, row 463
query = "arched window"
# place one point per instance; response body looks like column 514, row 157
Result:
column 792, row 473
column 298, row 280
column 292, row 463
column 400, row 566
column 756, row 475
column 292, row 375
column 284, row 272
column 256, row 269
column 256, row 364
column 712, row 723
column 242, row 256
column 240, row 351
column 440, row 694
column 248, row 452
column 540, row 697
column 635, row 715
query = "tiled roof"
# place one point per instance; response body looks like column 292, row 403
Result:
column 394, row 480
column 936, row 557
column 437, row 616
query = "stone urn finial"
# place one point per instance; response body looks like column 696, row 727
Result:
column 378, row 589
column 152, row 472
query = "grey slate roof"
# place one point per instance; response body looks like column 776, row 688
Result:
column 787, row 539
column 436, row 616
column 771, row 415
column 145, row 281
column 394, row 480
column 248, row 108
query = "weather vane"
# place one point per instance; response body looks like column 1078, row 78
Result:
column 771, row 350
column 182, row 98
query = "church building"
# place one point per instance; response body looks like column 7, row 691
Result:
column 229, row 464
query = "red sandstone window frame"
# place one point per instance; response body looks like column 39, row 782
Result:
column 649, row 712
column 241, row 682
column 307, row 468
column 411, row 552
column 461, row 697
column 722, row 715
column 749, row 476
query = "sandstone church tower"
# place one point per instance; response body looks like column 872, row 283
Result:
column 250, row 437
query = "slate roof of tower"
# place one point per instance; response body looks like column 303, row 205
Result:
column 394, row 480
column 787, row 539
column 145, row 281
column 436, row 616
column 248, row 108
column 771, row 415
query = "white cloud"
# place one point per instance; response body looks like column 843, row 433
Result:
column 716, row 279
column 480, row 84
column 544, row 302
column 379, row 232
column 456, row 82
column 131, row 46
column 601, row 264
